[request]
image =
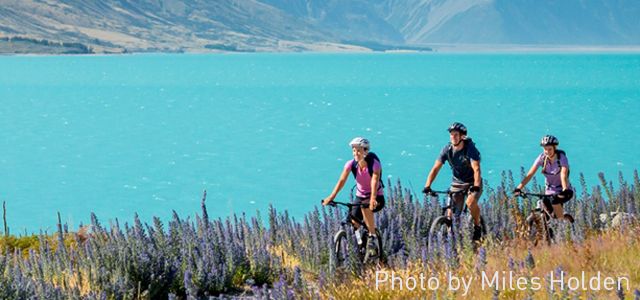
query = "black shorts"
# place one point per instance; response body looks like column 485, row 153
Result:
column 356, row 211
column 548, row 203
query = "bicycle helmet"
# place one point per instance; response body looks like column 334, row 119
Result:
column 549, row 140
column 360, row 142
column 459, row 127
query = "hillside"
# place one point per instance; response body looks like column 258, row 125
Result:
column 309, row 25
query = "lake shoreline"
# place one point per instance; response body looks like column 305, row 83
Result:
column 435, row 49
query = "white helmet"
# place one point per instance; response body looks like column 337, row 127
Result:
column 359, row 142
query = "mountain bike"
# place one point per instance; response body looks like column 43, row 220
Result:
column 442, row 224
column 342, row 246
column 539, row 220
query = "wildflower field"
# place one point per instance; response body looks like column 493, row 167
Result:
column 273, row 255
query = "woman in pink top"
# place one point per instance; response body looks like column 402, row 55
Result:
column 365, row 167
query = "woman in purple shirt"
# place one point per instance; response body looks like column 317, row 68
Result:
column 555, row 168
column 365, row 166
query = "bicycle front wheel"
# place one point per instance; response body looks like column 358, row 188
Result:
column 537, row 229
column 440, row 226
column 340, row 248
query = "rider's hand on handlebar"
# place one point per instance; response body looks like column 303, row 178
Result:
column 565, row 194
column 427, row 190
column 327, row 200
column 517, row 192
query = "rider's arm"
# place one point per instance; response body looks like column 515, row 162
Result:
column 343, row 178
column 434, row 172
column 564, row 171
column 477, row 176
column 564, row 177
column 375, row 178
column 527, row 178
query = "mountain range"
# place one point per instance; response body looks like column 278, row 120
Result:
column 77, row 26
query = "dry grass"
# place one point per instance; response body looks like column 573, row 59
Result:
column 612, row 253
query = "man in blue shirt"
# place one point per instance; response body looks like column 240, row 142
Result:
column 464, row 159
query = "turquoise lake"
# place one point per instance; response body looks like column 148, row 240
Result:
column 148, row 133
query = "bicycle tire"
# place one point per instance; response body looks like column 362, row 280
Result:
column 440, row 224
column 341, row 248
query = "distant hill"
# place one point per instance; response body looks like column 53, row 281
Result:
column 312, row 25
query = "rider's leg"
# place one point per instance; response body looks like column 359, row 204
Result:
column 474, row 208
column 456, row 204
column 368, row 219
column 373, row 244
column 371, row 226
column 368, row 214
column 355, row 224
column 355, row 214
column 558, row 210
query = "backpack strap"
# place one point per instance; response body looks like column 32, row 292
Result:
column 558, row 154
column 370, row 160
column 354, row 168
column 465, row 151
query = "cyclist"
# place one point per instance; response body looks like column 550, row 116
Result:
column 464, row 159
column 555, row 168
column 366, row 169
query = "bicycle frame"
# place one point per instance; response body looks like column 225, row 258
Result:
column 544, row 214
column 348, row 217
column 540, row 206
column 450, row 208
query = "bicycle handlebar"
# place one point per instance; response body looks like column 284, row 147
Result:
column 541, row 196
column 435, row 193
column 447, row 192
column 349, row 205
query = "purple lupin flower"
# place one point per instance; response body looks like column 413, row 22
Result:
column 531, row 263
column 482, row 260
column 190, row 288
column 297, row 279
column 450, row 254
column 205, row 215
column 321, row 280
column 280, row 289
column 423, row 253
column 258, row 292
column 511, row 264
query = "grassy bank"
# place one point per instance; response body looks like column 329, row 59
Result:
column 200, row 257
column 612, row 253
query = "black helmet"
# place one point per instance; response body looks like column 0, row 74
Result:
column 549, row 140
column 458, row 127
